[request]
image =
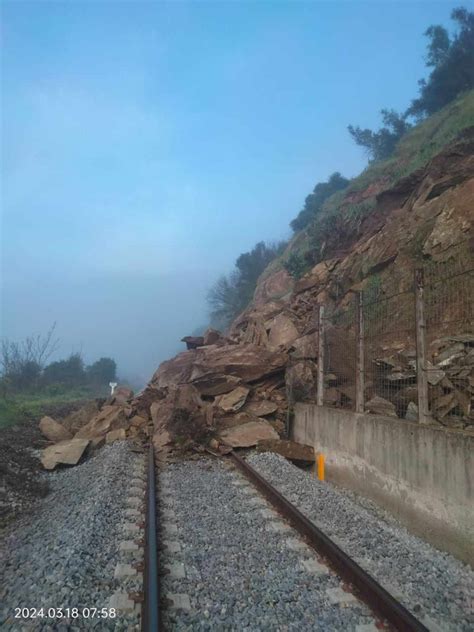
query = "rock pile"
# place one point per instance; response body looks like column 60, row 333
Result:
column 451, row 379
column 219, row 394
column 224, row 393
column 450, row 373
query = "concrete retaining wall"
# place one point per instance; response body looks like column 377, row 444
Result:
column 421, row 474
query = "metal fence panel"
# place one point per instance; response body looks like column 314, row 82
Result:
column 449, row 309
column 409, row 355
column 390, row 356
column 340, row 351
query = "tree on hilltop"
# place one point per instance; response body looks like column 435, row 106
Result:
column 314, row 201
column 452, row 61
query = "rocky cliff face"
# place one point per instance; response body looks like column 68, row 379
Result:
column 424, row 220
column 424, row 217
column 227, row 391
column 233, row 390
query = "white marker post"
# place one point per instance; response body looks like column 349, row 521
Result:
column 112, row 387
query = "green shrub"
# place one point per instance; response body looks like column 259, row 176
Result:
column 295, row 265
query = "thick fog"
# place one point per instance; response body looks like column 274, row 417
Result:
column 146, row 145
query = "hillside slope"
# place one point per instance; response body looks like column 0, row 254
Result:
column 414, row 210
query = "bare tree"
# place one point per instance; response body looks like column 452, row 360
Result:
column 32, row 351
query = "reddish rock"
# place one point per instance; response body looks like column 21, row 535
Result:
column 305, row 347
column 274, row 286
column 53, row 430
column 381, row 406
column 66, row 452
column 115, row 435
column 137, row 421
column 109, row 418
column 248, row 362
column 212, row 337
column 291, row 450
column 248, row 434
column 233, row 401
column 193, row 342
column 121, row 395
column 260, row 408
column 216, row 384
column 282, row 331
column 301, row 380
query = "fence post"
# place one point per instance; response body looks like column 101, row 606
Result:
column 360, row 362
column 320, row 394
column 290, row 404
column 421, row 375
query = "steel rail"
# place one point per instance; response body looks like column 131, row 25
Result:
column 366, row 588
column 150, row 607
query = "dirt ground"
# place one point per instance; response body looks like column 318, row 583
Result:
column 22, row 479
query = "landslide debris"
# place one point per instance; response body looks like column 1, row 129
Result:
column 232, row 390
column 218, row 395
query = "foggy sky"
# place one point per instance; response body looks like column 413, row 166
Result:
column 146, row 145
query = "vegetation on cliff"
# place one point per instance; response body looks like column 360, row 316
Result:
column 342, row 214
column 452, row 61
column 231, row 294
column 333, row 213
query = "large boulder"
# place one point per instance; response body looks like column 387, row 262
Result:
column 53, row 430
column 260, row 408
column 184, row 397
column 301, row 380
column 381, row 406
column 193, row 342
column 181, row 417
column 274, row 286
column 282, row 331
column 305, row 347
column 298, row 452
column 79, row 418
column 212, row 337
column 115, row 435
column 255, row 332
column 246, row 361
column 175, row 371
column 248, row 434
column 235, row 419
column 109, row 418
column 67, row 452
column 142, row 402
column 137, row 421
column 233, row 401
column 216, row 384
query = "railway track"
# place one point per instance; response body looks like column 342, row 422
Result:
column 387, row 611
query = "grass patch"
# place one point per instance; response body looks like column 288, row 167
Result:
column 416, row 148
column 20, row 407
column 10, row 413
column 413, row 151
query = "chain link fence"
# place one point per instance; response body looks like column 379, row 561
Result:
column 390, row 356
column 449, row 311
column 340, row 357
column 409, row 355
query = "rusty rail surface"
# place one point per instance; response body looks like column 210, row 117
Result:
column 150, row 606
column 366, row 588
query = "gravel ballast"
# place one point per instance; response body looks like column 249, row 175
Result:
column 65, row 553
column 436, row 587
column 240, row 573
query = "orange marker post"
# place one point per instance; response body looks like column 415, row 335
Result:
column 321, row 467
